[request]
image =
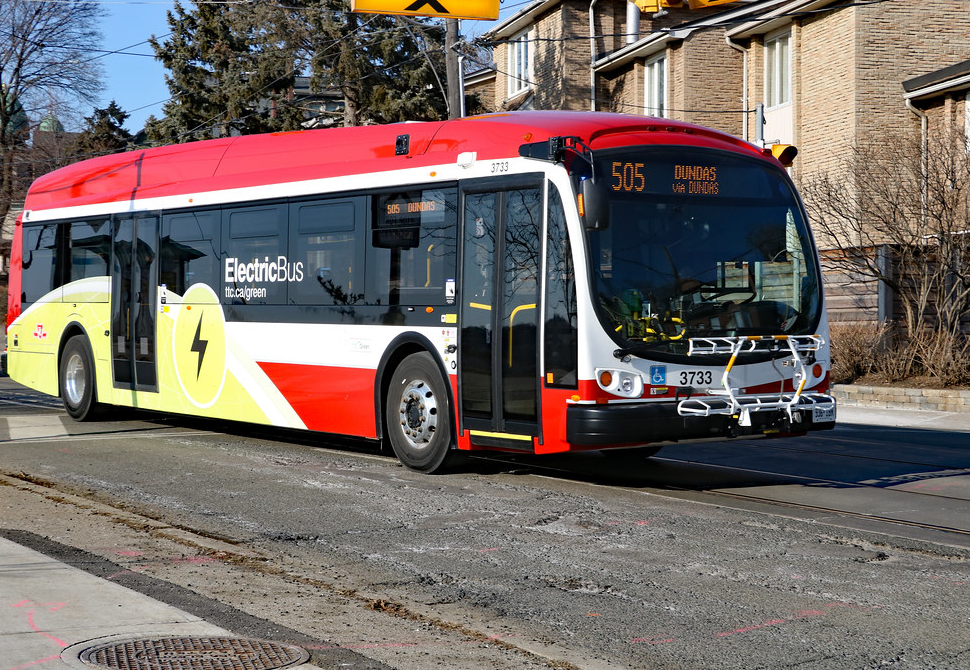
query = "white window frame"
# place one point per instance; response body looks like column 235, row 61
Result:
column 778, row 69
column 520, row 63
column 655, row 85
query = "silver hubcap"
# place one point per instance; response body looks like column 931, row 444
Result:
column 75, row 380
column 419, row 413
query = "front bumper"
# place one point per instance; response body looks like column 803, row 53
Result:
column 628, row 424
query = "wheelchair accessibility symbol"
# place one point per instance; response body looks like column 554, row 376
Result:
column 658, row 374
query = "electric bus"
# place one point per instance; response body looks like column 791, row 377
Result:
column 533, row 282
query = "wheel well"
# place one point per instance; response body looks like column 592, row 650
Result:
column 395, row 354
column 72, row 329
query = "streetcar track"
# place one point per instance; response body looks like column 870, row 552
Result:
column 841, row 512
column 837, row 482
column 672, row 491
column 530, row 464
column 801, row 450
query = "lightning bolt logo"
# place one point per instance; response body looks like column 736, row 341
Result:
column 199, row 345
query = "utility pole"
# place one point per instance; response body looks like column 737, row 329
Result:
column 452, row 73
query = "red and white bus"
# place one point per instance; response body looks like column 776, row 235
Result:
column 537, row 281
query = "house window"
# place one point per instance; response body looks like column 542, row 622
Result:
column 520, row 63
column 655, row 84
column 778, row 70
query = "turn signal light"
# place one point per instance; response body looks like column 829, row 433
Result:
column 623, row 383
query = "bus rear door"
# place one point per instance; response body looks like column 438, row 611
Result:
column 134, row 281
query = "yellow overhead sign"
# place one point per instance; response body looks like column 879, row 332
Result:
column 450, row 9
column 654, row 6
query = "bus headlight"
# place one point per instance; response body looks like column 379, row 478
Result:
column 620, row 382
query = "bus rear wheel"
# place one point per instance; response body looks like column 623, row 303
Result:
column 77, row 380
column 418, row 415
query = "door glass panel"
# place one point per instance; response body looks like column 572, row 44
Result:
column 134, row 272
column 144, row 272
column 520, row 286
column 121, row 300
column 478, row 287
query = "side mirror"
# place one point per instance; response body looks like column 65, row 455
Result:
column 594, row 204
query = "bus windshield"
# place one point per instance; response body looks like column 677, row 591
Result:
column 700, row 243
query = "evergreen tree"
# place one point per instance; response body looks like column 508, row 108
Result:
column 388, row 68
column 232, row 67
column 103, row 133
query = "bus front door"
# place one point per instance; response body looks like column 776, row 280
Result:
column 134, row 282
column 498, row 342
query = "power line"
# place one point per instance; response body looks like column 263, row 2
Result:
column 689, row 25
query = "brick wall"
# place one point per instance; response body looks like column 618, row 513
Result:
column 897, row 41
column 576, row 59
column 548, row 60
column 824, row 89
column 710, row 92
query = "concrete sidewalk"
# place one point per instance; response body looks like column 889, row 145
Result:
column 52, row 613
column 903, row 418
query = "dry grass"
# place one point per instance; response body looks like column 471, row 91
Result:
column 878, row 353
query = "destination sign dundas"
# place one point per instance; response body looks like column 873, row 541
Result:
column 452, row 9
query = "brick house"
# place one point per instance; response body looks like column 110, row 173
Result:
column 943, row 98
column 827, row 75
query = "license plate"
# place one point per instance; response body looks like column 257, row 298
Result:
column 823, row 414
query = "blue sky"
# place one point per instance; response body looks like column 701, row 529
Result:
column 135, row 80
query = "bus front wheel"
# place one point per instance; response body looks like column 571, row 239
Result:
column 77, row 379
column 417, row 414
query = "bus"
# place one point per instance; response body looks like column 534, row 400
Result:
column 533, row 282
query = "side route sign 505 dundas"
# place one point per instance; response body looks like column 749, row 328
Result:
column 451, row 9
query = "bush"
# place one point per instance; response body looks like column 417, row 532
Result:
column 856, row 350
column 887, row 356
column 944, row 356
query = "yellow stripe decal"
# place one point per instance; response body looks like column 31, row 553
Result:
column 503, row 436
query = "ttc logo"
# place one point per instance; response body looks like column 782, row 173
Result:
column 658, row 374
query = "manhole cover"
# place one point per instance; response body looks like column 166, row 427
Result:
column 194, row 653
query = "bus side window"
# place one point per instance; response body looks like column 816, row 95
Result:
column 326, row 236
column 560, row 313
column 256, row 270
column 90, row 248
column 189, row 254
column 412, row 258
column 45, row 261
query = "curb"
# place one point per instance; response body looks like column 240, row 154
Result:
column 891, row 397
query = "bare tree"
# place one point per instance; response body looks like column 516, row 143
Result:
column 899, row 214
column 45, row 56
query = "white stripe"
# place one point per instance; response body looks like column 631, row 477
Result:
column 348, row 184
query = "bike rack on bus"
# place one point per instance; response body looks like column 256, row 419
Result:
column 728, row 400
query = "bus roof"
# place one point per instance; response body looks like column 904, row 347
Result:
column 255, row 160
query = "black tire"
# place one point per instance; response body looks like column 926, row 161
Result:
column 417, row 414
column 77, row 383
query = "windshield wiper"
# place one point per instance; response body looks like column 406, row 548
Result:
column 642, row 350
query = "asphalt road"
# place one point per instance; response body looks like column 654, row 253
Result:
column 843, row 550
